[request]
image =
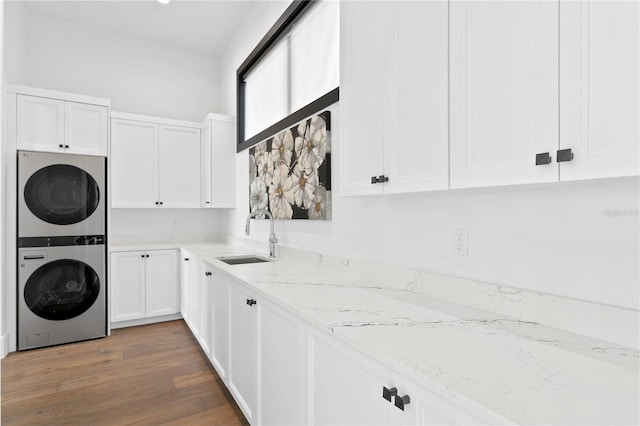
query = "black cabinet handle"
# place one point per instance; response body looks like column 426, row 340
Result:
column 142, row 256
column 401, row 401
column 543, row 158
column 379, row 179
column 251, row 302
column 61, row 146
column 147, row 256
column 160, row 202
column 207, row 274
column 186, row 259
column 66, row 146
column 207, row 202
column 563, row 155
column 389, row 393
column 157, row 202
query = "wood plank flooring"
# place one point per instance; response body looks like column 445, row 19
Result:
column 147, row 375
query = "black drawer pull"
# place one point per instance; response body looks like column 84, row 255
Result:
column 401, row 401
column 66, row 146
column 543, row 158
column 251, row 302
column 186, row 259
column 389, row 393
column 61, row 146
column 563, row 155
column 208, row 274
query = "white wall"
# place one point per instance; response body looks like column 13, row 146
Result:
column 168, row 222
column 556, row 238
column 139, row 76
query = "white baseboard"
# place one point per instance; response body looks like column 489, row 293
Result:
column 143, row 321
column 4, row 345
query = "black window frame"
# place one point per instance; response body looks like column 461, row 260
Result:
column 291, row 15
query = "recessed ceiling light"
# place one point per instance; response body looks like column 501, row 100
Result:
column 164, row 1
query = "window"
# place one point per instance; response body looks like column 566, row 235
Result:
column 292, row 73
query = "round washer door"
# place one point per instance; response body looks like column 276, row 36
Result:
column 61, row 194
column 62, row 289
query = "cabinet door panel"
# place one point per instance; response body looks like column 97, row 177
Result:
column 223, row 163
column 187, row 261
column 365, row 93
column 134, row 163
column 86, row 128
column 243, row 349
column 179, row 166
column 280, row 367
column 504, row 92
column 40, row 125
column 600, row 88
column 205, row 165
column 127, row 286
column 206, row 310
column 220, row 326
column 163, row 285
column 416, row 156
column 344, row 389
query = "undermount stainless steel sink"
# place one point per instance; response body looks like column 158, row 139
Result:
column 242, row 260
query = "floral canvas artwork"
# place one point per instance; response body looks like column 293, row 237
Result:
column 290, row 173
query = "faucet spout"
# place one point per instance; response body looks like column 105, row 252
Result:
column 272, row 235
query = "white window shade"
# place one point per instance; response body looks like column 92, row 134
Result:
column 300, row 68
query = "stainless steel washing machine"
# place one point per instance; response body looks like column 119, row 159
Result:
column 61, row 194
column 61, row 290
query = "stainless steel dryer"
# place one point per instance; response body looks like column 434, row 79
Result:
column 61, row 194
column 61, row 290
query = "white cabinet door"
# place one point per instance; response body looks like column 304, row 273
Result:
column 134, row 163
column 86, row 129
column 223, row 163
column 365, row 93
column 600, row 88
column 185, row 296
column 503, row 91
column 280, row 367
column 205, row 165
column 206, row 309
column 163, row 283
column 416, row 154
column 346, row 389
column 127, row 296
column 179, row 166
column 220, row 327
column 243, row 349
column 40, row 125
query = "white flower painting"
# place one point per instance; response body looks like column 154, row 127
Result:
column 290, row 173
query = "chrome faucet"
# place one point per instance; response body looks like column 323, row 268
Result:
column 272, row 235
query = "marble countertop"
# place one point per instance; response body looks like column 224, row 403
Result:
column 499, row 368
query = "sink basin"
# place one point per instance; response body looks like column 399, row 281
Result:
column 242, row 260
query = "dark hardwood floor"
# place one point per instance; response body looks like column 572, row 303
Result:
column 148, row 375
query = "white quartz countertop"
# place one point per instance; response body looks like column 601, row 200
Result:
column 498, row 368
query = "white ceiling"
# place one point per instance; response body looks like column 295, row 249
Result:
column 205, row 26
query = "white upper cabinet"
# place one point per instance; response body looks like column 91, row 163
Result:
column 86, row 129
column 503, row 92
column 365, row 53
column 56, row 125
column 416, row 154
column 134, row 163
column 600, row 88
column 218, row 162
column 393, row 97
column 179, row 166
column 154, row 165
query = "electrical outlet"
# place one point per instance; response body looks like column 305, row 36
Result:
column 460, row 241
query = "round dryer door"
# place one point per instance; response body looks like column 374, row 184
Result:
column 61, row 289
column 61, row 194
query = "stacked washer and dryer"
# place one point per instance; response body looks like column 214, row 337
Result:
column 61, row 248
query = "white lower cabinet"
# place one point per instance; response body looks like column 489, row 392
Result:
column 243, row 350
column 281, row 367
column 189, row 305
column 347, row 390
column 144, row 284
column 284, row 371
